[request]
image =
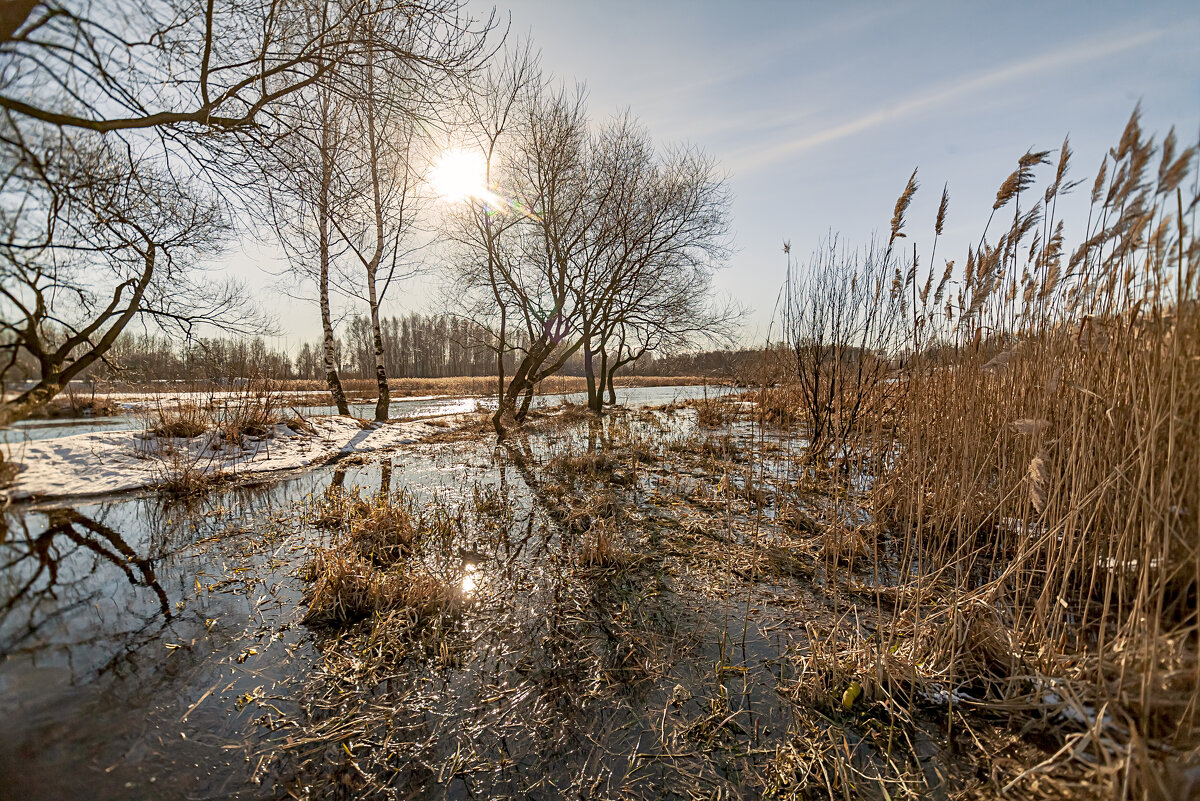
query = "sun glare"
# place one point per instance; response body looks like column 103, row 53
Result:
column 459, row 175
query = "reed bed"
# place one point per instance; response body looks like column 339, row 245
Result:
column 1033, row 475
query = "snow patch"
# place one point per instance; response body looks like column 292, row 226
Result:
column 116, row 461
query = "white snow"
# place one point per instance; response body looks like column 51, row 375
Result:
column 116, row 461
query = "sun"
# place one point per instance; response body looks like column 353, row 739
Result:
column 459, row 175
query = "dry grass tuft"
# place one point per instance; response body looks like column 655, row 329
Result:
column 711, row 412
column 382, row 529
column 184, row 478
column 589, row 465
column 345, row 587
column 183, row 421
column 600, row 548
column 253, row 412
column 370, row 569
column 73, row 405
column 8, row 470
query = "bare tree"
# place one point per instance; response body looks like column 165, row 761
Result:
column 593, row 243
column 91, row 240
column 379, row 230
column 346, row 161
column 652, row 284
column 491, row 110
column 306, row 197
column 166, row 91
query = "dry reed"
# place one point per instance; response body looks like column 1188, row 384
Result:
column 1036, row 487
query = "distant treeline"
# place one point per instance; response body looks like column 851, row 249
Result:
column 743, row 366
column 415, row 346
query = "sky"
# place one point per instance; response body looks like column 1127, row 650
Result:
column 818, row 112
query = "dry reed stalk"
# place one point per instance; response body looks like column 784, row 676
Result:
column 1035, row 489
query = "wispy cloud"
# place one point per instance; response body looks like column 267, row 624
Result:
column 757, row 157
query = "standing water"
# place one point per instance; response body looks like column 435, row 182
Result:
column 154, row 648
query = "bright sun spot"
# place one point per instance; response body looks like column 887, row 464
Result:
column 459, row 175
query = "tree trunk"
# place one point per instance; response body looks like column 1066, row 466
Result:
column 383, row 402
column 385, row 478
column 29, row 401
column 525, row 404
column 497, row 417
column 601, row 377
column 331, row 374
column 54, row 375
column 589, row 369
column 323, row 202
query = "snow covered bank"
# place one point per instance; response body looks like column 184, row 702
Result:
column 116, row 461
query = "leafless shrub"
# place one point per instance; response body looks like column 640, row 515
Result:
column 843, row 312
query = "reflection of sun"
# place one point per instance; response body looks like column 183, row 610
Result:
column 459, row 175
column 468, row 581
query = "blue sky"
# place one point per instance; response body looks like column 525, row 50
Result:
column 819, row 111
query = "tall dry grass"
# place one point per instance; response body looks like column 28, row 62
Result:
column 1038, row 483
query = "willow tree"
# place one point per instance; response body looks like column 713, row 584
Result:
column 599, row 231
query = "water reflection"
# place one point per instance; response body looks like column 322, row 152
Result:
column 468, row 580
column 32, row 574
column 547, row 658
column 46, row 549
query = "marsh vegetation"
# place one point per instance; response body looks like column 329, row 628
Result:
column 938, row 539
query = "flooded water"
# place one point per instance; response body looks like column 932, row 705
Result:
column 32, row 430
column 155, row 648
column 134, row 632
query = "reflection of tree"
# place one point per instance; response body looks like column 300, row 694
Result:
column 338, row 482
column 34, row 561
column 385, row 477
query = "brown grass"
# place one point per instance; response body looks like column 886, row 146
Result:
column 777, row 406
column 346, row 587
column 182, row 479
column 360, row 389
column 252, row 412
column 183, row 421
column 8, row 470
column 1036, row 486
column 381, row 528
column 600, row 548
column 368, row 570
column 711, row 412
column 72, row 405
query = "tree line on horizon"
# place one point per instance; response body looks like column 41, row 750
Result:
column 415, row 346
